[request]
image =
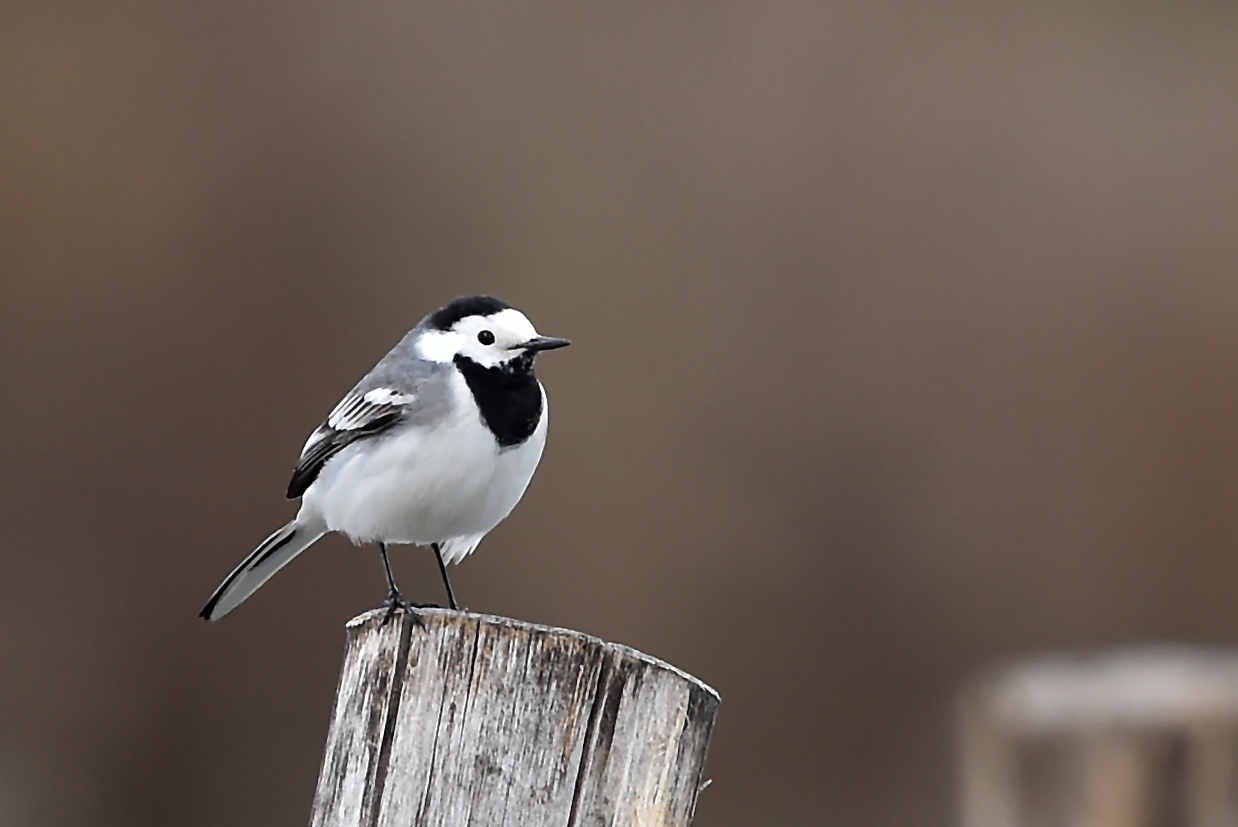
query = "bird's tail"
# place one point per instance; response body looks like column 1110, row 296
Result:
column 270, row 556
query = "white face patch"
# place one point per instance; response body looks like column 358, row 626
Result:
column 510, row 329
column 437, row 345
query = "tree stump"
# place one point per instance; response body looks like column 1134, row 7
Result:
column 479, row 720
column 1134, row 738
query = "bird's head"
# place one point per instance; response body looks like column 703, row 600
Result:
column 484, row 329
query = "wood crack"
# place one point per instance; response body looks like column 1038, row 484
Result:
column 399, row 667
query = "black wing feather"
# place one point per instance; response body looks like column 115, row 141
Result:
column 359, row 419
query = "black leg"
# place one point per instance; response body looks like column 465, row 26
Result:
column 442, row 569
column 395, row 600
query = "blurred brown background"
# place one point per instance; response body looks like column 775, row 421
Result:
column 906, row 338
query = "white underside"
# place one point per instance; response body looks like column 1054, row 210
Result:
column 449, row 483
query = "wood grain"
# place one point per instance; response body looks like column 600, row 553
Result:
column 479, row 720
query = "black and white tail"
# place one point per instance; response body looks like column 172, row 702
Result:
column 270, row 556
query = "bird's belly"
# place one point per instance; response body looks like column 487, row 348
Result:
column 424, row 485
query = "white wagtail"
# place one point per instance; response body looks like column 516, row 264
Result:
column 435, row 446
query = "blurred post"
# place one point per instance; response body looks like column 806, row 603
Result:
column 486, row 720
column 1131, row 738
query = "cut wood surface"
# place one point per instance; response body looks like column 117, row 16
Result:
column 479, row 720
column 1131, row 738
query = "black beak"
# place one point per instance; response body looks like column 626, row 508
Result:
column 544, row 343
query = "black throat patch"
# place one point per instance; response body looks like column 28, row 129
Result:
column 508, row 395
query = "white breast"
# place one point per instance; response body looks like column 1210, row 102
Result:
column 425, row 484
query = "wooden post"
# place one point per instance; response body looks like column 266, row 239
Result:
column 479, row 720
column 1134, row 738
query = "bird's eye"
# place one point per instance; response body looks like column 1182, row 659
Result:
column 485, row 337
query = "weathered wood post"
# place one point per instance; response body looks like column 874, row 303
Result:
column 1133, row 738
column 479, row 720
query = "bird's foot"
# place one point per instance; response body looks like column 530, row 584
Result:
column 396, row 601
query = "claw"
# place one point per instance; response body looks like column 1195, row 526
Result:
column 395, row 601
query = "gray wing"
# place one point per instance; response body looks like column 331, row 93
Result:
column 398, row 389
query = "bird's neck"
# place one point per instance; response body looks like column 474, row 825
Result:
column 508, row 396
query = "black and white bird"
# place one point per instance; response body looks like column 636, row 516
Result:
column 435, row 446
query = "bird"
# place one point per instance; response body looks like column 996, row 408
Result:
column 434, row 446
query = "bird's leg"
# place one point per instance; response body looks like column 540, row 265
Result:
column 395, row 600
column 442, row 569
